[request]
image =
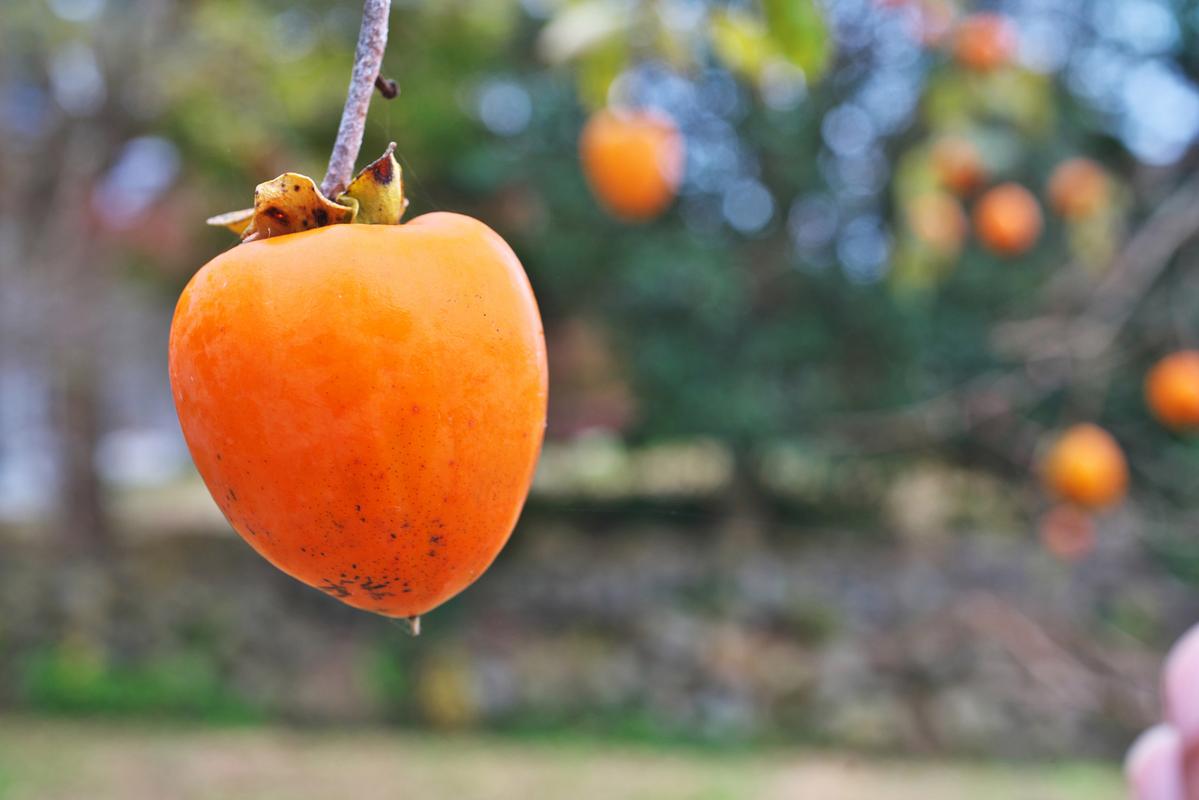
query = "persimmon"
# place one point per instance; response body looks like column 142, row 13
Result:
column 958, row 165
column 1086, row 466
column 984, row 42
column 1172, row 390
column 633, row 161
column 937, row 220
column 1007, row 219
column 1078, row 188
column 365, row 403
column 1068, row 532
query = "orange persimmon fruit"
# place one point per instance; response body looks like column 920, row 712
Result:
column 958, row 165
column 937, row 219
column 366, row 403
column 1078, row 188
column 1007, row 219
column 984, row 42
column 1086, row 466
column 1172, row 390
column 1068, row 532
column 633, row 161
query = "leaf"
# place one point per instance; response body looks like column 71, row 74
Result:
column 598, row 69
column 292, row 203
column 376, row 194
column 581, row 27
column 799, row 31
column 236, row 221
column 741, row 42
column 287, row 204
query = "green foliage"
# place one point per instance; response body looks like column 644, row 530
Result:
column 72, row 679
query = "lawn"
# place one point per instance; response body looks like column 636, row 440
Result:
column 67, row 760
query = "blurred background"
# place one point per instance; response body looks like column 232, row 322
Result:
column 789, row 535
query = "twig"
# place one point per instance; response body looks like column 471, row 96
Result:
column 368, row 58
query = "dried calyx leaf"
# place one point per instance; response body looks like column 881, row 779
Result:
column 378, row 191
column 293, row 203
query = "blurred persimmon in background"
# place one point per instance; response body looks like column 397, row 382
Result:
column 1172, row 390
column 1086, row 466
column 1068, row 532
column 937, row 220
column 958, row 165
column 633, row 161
column 1008, row 219
column 984, row 42
column 1078, row 188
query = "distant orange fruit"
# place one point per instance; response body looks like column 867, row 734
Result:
column 1078, row 187
column 1008, row 219
column 1086, row 466
column 984, row 42
column 958, row 165
column 937, row 220
column 1172, row 390
column 633, row 161
column 1068, row 532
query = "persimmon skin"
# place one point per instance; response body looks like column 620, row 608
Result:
column 366, row 403
column 1172, row 390
column 937, row 219
column 1078, row 188
column 1086, row 466
column 1008, row 220
column 1068, row 532
column 958, row 165
column 633, row 161
column 984, row 42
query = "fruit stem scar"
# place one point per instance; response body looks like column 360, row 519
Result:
column 368, row 59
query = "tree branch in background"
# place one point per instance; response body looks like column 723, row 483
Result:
column 1053, row 349
column 1089, row 334
column 368, row 58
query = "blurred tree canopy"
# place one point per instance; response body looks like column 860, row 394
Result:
column 804, row 288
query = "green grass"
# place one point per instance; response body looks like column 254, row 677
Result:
column 47, row 759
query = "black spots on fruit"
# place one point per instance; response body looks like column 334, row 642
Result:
column 232, row 494
column 376, row 589
column 322, row 217
column 335, row 589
